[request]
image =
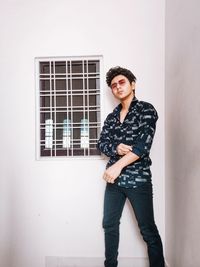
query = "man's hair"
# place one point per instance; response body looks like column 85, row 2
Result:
column 119, row 71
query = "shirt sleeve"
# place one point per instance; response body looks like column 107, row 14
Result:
column 106, row 143
column 147, row 129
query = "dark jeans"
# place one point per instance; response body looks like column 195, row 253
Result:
column 142, row 203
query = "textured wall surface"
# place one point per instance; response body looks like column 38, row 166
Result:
column 182, row 133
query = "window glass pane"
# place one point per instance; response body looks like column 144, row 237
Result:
column 77, row 134
column 93, row 116
column 61, row 101
column 61, row 116
column 44, row 85
column 94, row 100
column 77, row 100
column 76, row 67
column 77, row 84
column 60, row 84
column 94, row 83
column 60, row 67
column 59, row 135
column 78, row 116
column 93, row 66
column 44, row 67
column 46, row 116
column 93, row 133
column 45, row 101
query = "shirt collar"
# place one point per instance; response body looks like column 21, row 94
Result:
column 117, row 110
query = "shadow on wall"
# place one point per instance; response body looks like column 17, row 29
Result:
column 182, row 175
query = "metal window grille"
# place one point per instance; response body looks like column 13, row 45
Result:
column 68, row 105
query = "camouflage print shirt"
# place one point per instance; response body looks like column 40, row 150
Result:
column 137, row 130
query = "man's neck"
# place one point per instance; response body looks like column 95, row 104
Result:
column 126, row 102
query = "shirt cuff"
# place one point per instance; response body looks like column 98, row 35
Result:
column 114, row 148
column 137, row 151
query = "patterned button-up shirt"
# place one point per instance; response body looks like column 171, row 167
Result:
column 137, row 131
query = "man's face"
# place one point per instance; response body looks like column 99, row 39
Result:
column 121, row 87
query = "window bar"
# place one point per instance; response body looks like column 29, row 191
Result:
column 51, row 116
column 67, row 110
column 87, row 96
column 88, row 104
column 78, row 109
column 72, row 123
column 83, row 126
column 80, row 92
column 55, row 106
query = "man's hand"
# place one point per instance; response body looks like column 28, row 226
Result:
column 112, row 173
column 123, row 149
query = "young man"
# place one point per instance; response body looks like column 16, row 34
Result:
column 126, row 138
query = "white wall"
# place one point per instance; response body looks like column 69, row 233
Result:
column 4, row 212
column 182, row 133
column 56, row 207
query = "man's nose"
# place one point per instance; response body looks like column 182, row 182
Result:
column 118, row 85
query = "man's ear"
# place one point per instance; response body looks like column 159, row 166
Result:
column 133, row 86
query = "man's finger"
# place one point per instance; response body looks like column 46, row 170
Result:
column 126, row 147
column 126, row 150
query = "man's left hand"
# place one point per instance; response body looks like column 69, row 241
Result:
column 112, row 173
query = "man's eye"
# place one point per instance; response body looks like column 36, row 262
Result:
column 113, row 86
column 122, row 82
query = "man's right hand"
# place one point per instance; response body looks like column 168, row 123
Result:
column 123, row 149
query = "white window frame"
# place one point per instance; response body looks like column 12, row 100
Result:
column 37, row 86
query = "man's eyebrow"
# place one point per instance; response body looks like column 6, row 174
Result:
column 119, row 81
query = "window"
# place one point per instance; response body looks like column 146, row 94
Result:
column 68, row 106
